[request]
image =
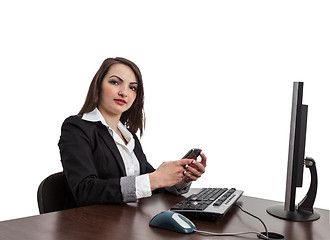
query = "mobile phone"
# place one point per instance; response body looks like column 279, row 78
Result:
column 192, row 153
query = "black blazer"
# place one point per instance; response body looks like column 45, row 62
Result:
column 92, row 162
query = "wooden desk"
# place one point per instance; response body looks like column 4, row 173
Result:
column 132, row 222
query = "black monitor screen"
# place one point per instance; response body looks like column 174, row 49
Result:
column 296, row 146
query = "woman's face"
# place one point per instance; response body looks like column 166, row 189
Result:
column 118, row 90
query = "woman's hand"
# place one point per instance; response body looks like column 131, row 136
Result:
column 169, row 173
column 195, row 169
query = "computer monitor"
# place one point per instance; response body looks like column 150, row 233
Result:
column 295, row 168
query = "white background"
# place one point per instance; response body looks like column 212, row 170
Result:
column 218, row 75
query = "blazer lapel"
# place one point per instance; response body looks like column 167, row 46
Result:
column 104, row 133
column 140, row 155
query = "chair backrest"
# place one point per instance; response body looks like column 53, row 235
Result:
column 52, row 193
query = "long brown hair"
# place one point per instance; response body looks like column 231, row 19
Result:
column 133, row 118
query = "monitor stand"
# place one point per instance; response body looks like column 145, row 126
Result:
column 304, row 211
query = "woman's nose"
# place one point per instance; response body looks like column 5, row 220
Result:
column 122, row 92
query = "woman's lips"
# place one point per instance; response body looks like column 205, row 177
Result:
column 120, row 101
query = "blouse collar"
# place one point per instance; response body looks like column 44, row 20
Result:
column 96, row 116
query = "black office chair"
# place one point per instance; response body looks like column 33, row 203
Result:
column 53, row 193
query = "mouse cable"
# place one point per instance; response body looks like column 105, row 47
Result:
column 229, row 234
column 259, row 234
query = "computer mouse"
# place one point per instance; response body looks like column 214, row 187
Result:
column 172, row 221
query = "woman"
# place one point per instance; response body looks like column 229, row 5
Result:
column 102, row 158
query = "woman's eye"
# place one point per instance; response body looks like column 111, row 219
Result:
column 133, row 88
column 114, row 82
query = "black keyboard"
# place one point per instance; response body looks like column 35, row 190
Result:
column 208, row 203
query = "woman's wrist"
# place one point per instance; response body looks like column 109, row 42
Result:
column 154, row 181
